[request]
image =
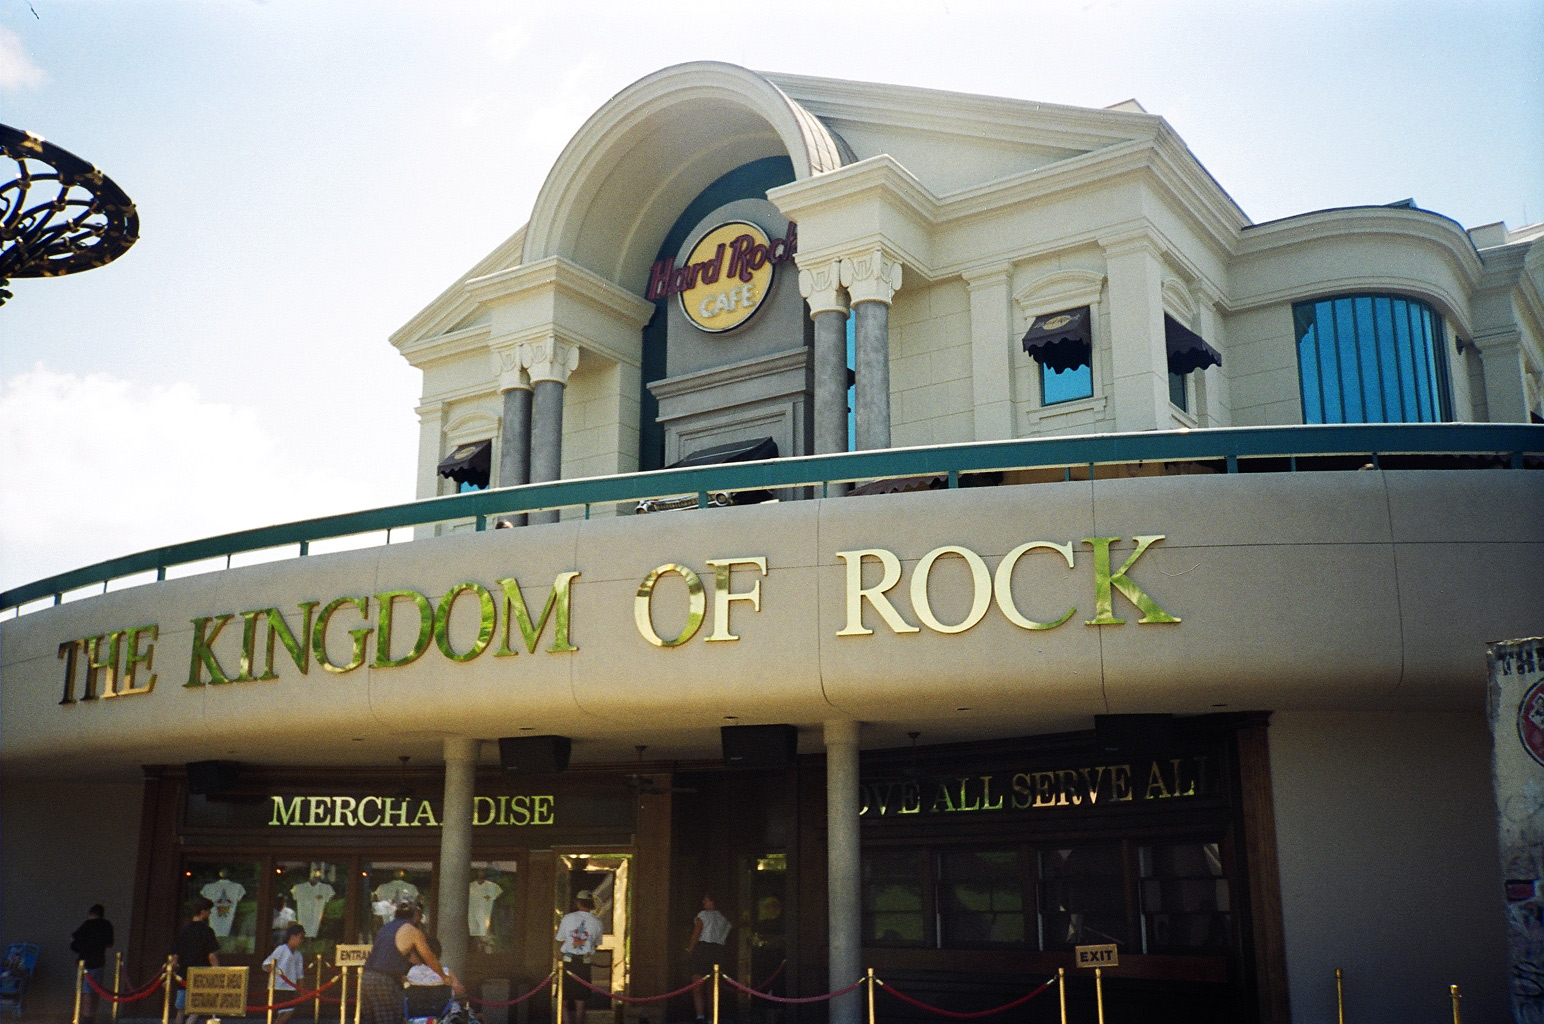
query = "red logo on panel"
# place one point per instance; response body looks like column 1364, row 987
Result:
column 1530, row 721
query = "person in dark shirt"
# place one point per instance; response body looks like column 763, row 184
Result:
column 90, row 943
column 196, row 946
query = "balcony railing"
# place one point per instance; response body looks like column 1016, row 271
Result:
column 1243, row 449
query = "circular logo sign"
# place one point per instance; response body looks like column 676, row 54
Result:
column 735, row 261
column 1530, row 721
column 1056, row 323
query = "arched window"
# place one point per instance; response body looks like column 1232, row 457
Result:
column 1372, row 359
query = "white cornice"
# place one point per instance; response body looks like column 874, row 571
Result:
column 451, row 306
column 880, row 175
column 1415, row 225
column 561, row 276
column 423, row 351
column 952, row 113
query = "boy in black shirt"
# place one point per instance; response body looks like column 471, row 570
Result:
column 90, row 943
column 197, row 946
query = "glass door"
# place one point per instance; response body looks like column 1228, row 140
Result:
column 605, row 877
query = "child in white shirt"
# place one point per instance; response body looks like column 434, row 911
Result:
column 289, row 966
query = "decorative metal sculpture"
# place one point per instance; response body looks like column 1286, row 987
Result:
column 59, row 214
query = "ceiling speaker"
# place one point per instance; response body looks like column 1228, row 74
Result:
column 534, row 755
column 206, row 778
column 759, row 746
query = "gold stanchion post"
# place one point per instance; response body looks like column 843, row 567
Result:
column 1061, row 991
column 343, row 996
column 273, row 974
column 80, row 979
column 557, row 993
column 871, row 995
column 715, row 993
column 1099, row 991
column 1340, row 996
column 359, row 992
column 117, row 981
column 168, row 979
column 316, row 1010
column 1457, row 1017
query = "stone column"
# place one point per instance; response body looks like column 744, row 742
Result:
column 515, row 424
column 1501, row 358
column 1139, row 391
column 456, row 849
column 548, row 363
column 871, row 281
column 822, row 289
column 991, row 341
column 844, row 869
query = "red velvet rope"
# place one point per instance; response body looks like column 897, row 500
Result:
column 518, row 999
column 954, row 1015
column 786, row 1000
column 133, row 996
column 634, row 1000
column 300, row 997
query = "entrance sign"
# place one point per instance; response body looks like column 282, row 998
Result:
column 350, row 955
column 1106, row 955
column 218, row 991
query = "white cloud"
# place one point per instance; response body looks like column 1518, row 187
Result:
column 17, row 70
column 96, row 466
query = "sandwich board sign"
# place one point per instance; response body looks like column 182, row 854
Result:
column 217, row 991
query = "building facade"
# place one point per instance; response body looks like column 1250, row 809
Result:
column 1224, row 711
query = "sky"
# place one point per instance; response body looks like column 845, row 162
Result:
column 310, row 174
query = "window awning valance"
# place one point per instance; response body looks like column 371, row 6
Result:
column 733, row 451
column 1060, row 341
column 471, row 461
column 1187, row 352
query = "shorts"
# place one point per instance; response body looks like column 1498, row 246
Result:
column 182, row 998
column 705, row 955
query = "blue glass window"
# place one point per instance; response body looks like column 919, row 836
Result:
column 1178, row 395
column 1371, row 359
column 1065, row 385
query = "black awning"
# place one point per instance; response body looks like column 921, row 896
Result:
column 1187, row 352
column 1060, row 341
column 753, row 450
column 900, row 485
column 471, row 461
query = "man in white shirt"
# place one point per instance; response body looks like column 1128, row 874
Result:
column 706, row 948
column 578, row 934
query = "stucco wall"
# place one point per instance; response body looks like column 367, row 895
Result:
column 930, row 365
column 72, row 844
column 1406, row 909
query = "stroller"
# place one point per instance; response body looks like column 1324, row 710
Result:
column 437, row 1004
column 16, row 968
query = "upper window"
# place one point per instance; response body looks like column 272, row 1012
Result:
column 1372, row 359
column 1062, row 343
column 469, row 466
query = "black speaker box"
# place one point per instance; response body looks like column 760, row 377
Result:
column 534, row 755
column 760, row 746
column 206, row 778
column 1134, row 735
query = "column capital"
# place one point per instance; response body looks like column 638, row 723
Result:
column 821, row 286
column 987, row 276
column 1137, row 241
column 549, row 359
column 873, row 276
column 507, row 368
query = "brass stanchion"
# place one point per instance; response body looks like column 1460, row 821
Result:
column 1099, row 991
column 316, row 1010
column 1340, row 996
column 715, row 993
column 871, row 995
column 273, row 973
column 359, row 992
column 168, row 979
column 1457, row 1017
column 343, row 995
column 117, row 981
column 1061, row 991
column 80, row 979
column 557, row 992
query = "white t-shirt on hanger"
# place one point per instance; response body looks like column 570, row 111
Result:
column 224, row 894
column 310, row 900
column 480, row 898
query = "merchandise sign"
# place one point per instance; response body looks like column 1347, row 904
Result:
column 218, row 991
column 350, row 955
column 726, row 277
column 1107, row 955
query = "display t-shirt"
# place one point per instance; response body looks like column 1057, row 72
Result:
column 480, row 898
column 194, row 944
column 290, row 963
column 224, row 894
column 391, row 895
column 715, row 927
column 310, row 900
column 579, row 931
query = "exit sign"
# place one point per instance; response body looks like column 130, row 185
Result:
column 1097, row 956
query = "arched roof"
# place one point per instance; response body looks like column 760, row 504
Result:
column 642, row 157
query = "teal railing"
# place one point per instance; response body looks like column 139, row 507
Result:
column 1511, row 442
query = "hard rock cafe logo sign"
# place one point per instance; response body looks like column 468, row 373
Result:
column 1530, row 722
column 726, row 277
